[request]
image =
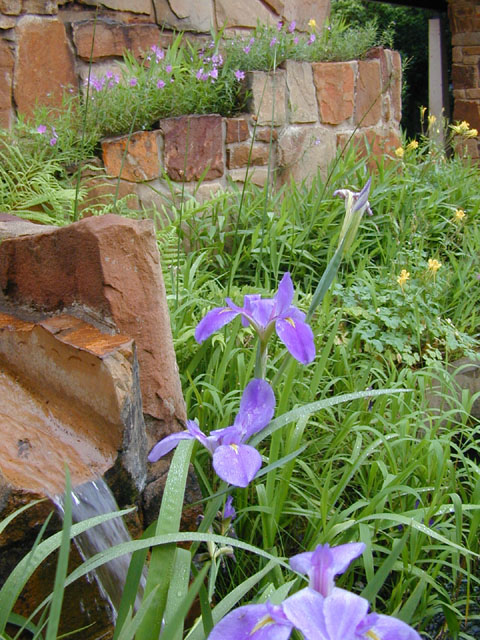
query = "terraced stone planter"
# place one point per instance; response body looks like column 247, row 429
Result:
column 298, row 117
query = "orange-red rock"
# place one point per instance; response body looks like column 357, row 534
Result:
column 6, row 74
column 113, row 38
column 140, row 162
column 236, row 130
column 106, row 268
column 334, row 82
column 44, row 63
column 242, row 155
column 368, row 101
column 193, row 147
column 380, row 143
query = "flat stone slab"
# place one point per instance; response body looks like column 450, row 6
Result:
column 63, row 389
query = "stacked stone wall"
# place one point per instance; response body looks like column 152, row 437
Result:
column 465, row 27
column 46, row 46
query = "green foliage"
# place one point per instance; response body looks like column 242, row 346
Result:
column 267, row 47
column 407, row 30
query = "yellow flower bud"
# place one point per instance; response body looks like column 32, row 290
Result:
column 399, row 152
column 312, row 23
column 403, row 277
column 413, row 144
column 459, row 215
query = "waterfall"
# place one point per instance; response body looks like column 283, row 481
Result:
column 92, row 499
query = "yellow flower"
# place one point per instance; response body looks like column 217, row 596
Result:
column 312, row 23
column 422, row 112
column 471, row 133
column 413, row 144
column 431, row 119
column 399, row 152
column 460, row 128
column 403, row 277
column 459, row 215
column 434, row 265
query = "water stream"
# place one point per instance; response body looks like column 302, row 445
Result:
column 92, row 499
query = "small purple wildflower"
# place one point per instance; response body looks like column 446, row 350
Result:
column 273, row 42
column 160, row 84
column 311, row 39
column 199, row 74
column 239, row 75
column 42, row 129
column 168, row 68
column 279, row 25
column 291, row 26
column 246, row 49
column 217, row 60
column 251, row 41
column 133, row 82
column 295, row 40
column 159, row 53
column 478, row 276
column 214, row 74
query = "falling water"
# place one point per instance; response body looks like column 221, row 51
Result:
column 92, row 499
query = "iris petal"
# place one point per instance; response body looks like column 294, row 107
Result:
column 256, row 408
column 167, row 444
column 388, row 628
column 213, row 321
column 252, row 622
column 297, row 336
column 237, row 464
column 284, row 296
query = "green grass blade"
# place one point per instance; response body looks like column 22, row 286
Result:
column 180, row 597
column 62, row 563
column 162, row 560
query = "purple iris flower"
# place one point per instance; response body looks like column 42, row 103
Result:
column 234, row 461
column 318, row 615
column 265, row 316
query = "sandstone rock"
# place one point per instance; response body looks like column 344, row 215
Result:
column 7, row 22
column 268, row 97
column 244, row 13
column 66, row 391
column 41, row 7
column 140, row 162
column 236, row 130
column 12, row 227
column 185, row 15
column 368, row 101
column 380, row 142
column 100, row 191
column 106, row 268
column 44, row 63
column 11, row 7
column 301, row 92
column 266, row 134
column 138, row 6
column 302, row 151
column 6, row 73
column 69, row 394
column 113, row 38
column 258, row 176
column 304, row 10
column 193, row 147
column 468, row 110
column 242, row 155
column 334, row 82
